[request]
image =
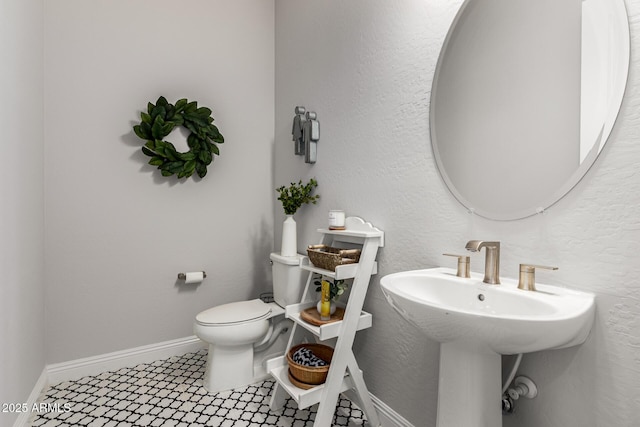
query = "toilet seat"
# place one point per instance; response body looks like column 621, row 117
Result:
column 235, row 313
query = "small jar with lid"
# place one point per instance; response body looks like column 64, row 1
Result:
column 336, row 219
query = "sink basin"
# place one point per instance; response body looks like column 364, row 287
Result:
column 476, row 323
column 502, row 317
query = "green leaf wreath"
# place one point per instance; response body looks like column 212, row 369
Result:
column 158, row 122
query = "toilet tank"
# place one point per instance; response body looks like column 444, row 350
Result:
column 288, row 279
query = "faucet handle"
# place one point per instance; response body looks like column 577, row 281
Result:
column 527, row 280
column 463, row 265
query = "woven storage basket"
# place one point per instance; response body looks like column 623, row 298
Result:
column 329, row 258
column 310, row 374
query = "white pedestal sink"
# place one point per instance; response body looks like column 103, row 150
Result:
column 476, row 323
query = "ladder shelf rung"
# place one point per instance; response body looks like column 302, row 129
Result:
column 328, row 330
column 346, row 271
column 279, row 370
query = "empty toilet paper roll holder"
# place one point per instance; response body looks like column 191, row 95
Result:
column 183, row 276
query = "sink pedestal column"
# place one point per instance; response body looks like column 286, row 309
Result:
column 469, row 388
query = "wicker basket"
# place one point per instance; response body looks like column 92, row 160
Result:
column 310, row 374
column 329, row 258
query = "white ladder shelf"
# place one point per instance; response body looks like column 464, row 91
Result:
column 344, row 375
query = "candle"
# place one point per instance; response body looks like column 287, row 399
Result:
column 336, row 220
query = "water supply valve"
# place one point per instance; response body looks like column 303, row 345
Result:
column 522, row 387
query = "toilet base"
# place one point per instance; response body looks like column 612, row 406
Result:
column 228, row 367
column 214, row 381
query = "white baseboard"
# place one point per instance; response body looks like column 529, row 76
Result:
column 23, row 419
column 389, row 417
column 76, row 369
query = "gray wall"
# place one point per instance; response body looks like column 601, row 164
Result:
column 366, row 66
column 117, row 233
column 21, row 203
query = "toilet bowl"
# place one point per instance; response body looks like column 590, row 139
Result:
column 236, row 331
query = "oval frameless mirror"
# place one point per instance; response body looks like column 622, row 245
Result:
column 524, row 96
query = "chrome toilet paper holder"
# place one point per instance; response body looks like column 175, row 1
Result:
column 183, row 276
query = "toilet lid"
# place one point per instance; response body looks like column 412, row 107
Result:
column 234, row 312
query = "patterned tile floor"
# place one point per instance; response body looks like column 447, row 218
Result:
column 169, row 393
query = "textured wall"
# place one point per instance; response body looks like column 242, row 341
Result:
column 117, row 233
column 366, row 66
column 21, row 204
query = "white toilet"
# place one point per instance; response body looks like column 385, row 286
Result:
column 237, row 330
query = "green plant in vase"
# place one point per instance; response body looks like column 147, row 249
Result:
column 292, row 198
column 296, row 195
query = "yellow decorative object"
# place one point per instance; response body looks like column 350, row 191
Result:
column 325, row 301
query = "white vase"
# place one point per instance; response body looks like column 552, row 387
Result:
column 289, row 237
column 332, row 308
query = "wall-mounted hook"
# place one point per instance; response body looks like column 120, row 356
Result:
column 297, row 130
column 311, row 136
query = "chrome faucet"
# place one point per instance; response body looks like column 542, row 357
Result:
column 492, row 260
